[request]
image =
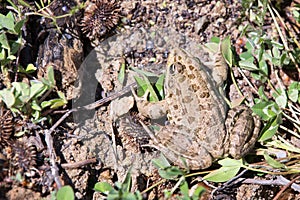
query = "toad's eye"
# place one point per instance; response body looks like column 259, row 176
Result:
column 172, row 69
column 176, row 68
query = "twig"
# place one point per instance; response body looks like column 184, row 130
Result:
column 78, row 164
column 285, row 187
column 92, row 105
column 54, row 168
column 280, row 180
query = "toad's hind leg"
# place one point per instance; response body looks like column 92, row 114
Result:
column 180, row 147
column 243, row 129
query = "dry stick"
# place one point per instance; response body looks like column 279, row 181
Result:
column 49, row 139
column 280, row 180
column 78, row 164
column 54, row 168
column 285, row 187
column 93, row 105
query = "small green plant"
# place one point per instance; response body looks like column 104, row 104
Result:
column 9, row 28
column 8, row 25
column 173, row 173
column 25, row 98
column 150, row 85
column 28, row 99
column 120, row 191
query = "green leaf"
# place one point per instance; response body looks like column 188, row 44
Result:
column 19, row 25
column 126, row 185
column 250, row 45
column 270, row 128
column 167, row 194
column 226, row 51
column 15, row 46
column 2, row 54
column 152, row 96
column 212, row 47
column 45, row 104
column 248, row 64
column 37, row 88
column 215, row 39
column 36, row 115
column 161, row 162
column 170, row 173
column 50, row 75
column 197, row 193
column 184, row 189
column 246, row 55
column 22, row 91
column 55, row 103
column 229, row 169
column 121, row 74
column 7, row 97
column 11, row 57
column 260, row 53
column 118, row 185
column 263, row 67
column 276, row 52
column 7, row 21
column 272, row 162
column 277, row 44
column 4, row 41
column 222, row 175
column 262, row 94
column 35, row 106
column 61, row 95
column 159, row 85
column 103, row 187
column 144, row 85
column 266, row 109
column 293, row 91
column 165, row 170
column 229, row 162
column 138, row 195
column 65, row 193
column 284, row 59
column 128, row 196
column 46, row 82
column 30, row 68
column 281, row 99
column 283, row 144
